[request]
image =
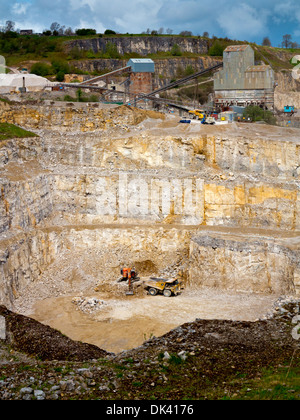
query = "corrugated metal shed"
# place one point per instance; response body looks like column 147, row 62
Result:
column 141, row 65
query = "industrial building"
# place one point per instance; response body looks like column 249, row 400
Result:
column 141, row 75
column 241, row 82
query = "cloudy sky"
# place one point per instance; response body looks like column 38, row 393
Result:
column 240, row 20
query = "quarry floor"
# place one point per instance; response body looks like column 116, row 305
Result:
column 125, row 322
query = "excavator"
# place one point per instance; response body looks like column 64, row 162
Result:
column 202, row 116
column 130, row 275
column 197, row 114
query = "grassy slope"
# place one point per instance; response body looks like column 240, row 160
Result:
column 266, row 54
column 11, row 131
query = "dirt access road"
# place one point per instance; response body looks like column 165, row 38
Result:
column 123, row 323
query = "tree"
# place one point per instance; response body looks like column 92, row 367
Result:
column 9, row 26
column 266, row 42
column 60, row 77
column 41, row 69
column 54, row 27
column 109, row 32
column 60, row 66
column 79, row 95
column 216, row 50
column 255, row 113
column 61, row 30
column 111, row 50
column 69, row 31
column 85, row 32
column 286, row 41
column 186, row 33
column 175, row 50
column 205, row 34
column 169, row 31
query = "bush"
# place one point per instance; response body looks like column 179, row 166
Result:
column 60, row 66
column 85, row 32
column 41, row 69
column 76, row 53
column 68, row 98
column 216, row 50
column 60, row 77
column 175, row 51
column 111, row 51
column 90, row 54
column 255, row 113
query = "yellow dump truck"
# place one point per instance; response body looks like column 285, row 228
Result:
column 163, row 286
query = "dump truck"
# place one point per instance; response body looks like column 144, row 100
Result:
column 167, row 287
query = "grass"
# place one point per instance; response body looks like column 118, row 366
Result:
column 34, row 48
column 281, row 383
column 191, row 379
column 11, row 131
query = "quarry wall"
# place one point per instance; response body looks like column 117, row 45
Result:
column 226, row 202
column 165, row 69
column 254, row 263
column 140, row 45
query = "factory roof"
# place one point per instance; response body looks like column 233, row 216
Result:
column 141, row 60
column 141, row 65
column 231, row 48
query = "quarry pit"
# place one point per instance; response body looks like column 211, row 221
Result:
column 102, row 187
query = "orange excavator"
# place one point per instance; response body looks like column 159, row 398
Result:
column 130, row 275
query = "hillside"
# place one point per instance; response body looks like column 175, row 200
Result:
column 175, row 56
column 77, row 53
column 103, row 186
column 204, row 359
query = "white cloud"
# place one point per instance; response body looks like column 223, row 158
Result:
column 250, row 19
column 94, row 24
column 243, row 22
column 20, row 8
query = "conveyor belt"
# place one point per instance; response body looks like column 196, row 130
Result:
column 180, row 81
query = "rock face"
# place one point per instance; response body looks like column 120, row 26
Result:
column 142, row 45
column 165, row 70
column 231, row 260
column 107, row 186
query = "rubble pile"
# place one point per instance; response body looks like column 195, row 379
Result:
column 88, row 305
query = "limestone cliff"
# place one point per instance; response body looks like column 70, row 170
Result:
column 142, row 45
column 118, row 184
column 165, row 69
